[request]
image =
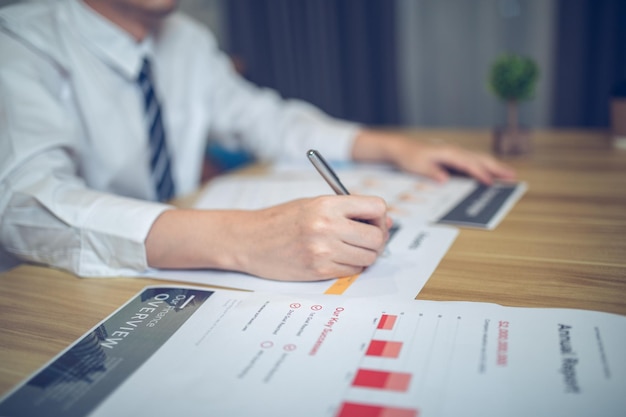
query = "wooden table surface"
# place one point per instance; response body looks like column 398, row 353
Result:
column 562, row 245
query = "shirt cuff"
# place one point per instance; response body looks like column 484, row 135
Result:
column 115, row 245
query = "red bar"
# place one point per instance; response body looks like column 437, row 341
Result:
column 387, row 321
column 393, row 381
column 398, row 381
column 365, row 410
column 359, row 410
column 376, row 348
column 384, row 348
column 370, row 379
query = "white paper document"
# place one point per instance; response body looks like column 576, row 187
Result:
column 197, row 352
column 461, row 201
column 413, row 253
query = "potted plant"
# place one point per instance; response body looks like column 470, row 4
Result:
column 512, row 79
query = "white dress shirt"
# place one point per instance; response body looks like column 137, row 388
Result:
column 75, row 189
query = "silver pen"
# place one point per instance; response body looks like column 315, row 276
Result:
column 327, row 172
column 333, row 180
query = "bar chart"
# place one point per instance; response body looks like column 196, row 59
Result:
column 381, row 375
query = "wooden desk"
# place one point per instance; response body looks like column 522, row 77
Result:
column 562, row 245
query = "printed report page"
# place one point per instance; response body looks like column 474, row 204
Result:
column 186, row 351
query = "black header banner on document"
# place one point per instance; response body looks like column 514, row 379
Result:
column 88, row 371
column 485, row 206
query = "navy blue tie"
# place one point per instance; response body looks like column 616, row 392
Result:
column 160, row 164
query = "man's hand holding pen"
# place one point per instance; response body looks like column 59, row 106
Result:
column 308, row 239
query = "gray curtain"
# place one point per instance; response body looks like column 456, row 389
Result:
column 590, row 60
column 338, row 55
column 425, row 62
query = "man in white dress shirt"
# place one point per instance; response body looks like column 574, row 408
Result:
column 75, row 187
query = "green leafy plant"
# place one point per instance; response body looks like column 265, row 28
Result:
column 513, row 79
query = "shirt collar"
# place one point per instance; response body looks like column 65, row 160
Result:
column 116, row 47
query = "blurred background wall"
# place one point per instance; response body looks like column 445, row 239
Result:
column 446, row 49
column 425, row 62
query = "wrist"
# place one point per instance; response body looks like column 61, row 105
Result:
column 187, row 238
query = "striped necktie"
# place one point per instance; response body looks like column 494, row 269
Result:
column 161, row 170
